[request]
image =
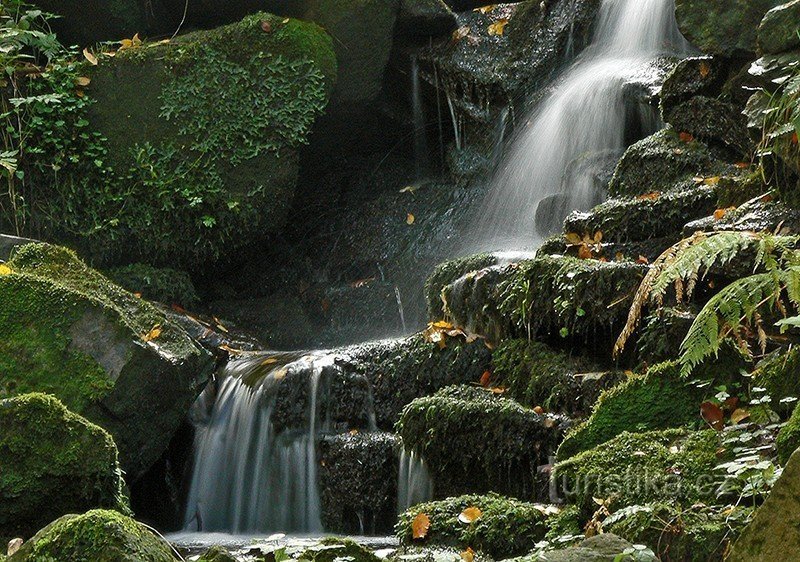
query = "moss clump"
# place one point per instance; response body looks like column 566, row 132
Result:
column 536, row 375
column 165, row 285
column 778, row 374
column 788, row 439
column 697, row 533
column 446, row 273
column 216, row 554
column 53, row 462
column 658, row 400
column 95, row 536
column 335, row 548
column 505, row 528
column 637, row 468
column 473, row 439
column 661, row 162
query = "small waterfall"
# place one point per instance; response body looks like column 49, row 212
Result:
column 246, row 476
column 583, row 117
column 414, row 484
column 418, row 113
column 400, row 311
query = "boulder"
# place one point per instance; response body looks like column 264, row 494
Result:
column 54, row 462
column 778, row 30
column 600, row 548
column 774, row 533
column 505, row 528
column 723, row 28
column 424, row 18
column 446, row 273
column 95, row 536
column 713, row 121
column 471, row 439
column 108, row 355
column 693, row 76
column 202, row 135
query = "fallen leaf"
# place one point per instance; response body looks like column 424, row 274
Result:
column 705, row 69
column 280, row 374
column 573, row 238
column 619, row 256
column 584, row 252
column 598, row 237
column 409, row 189
column 362, row 282
column 269, row 361
column 14, row 545
column 470, row 515
column 486, row 9
column 486, row 378
column 742, row 165
column 137, row 294
column 468, row 555
column 410, row 218
column 219, row 325
column 460, row 33
column 178, row 308
column 739, row 414
column 498, row 390
column 89, row 56
column 420, row 526
column 712, row 414
column 642, row 260
column 131, row 43
column 719, row 214
column 498, row 28
column 285, row 20
column 652, row 196
column 686, row 137
column 539, row 410
column 713, row 180
column 731, row 404
column 353, row 432
column 266, row 26
column 83, row 81
column 153, row 334
column 5, row 270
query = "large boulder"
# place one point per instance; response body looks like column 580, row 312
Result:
column 778, row 30
column 774, row 533
column 202, row 135
column 95, row 536
column 54, row 462
column 722, row 28
column 108, row 355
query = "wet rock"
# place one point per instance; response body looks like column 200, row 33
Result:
column 446, row 273
column 356, row 310
column 54, row 462
column 759, row 214
column 693, row 76
column 778, row 30
column 506, row 527
column 772, row 535
column 157, row 107
column 713, row 121
column 600, row 548
column 10, row 243
column 426, row 18
column 662, row 161
column 471, row 439
column 728, row 29
column 108, row 355
column 358, row 482
column 95, row 536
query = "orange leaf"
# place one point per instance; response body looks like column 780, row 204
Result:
column 705, row 69
column 739, row 415
column 652, row 196
column 470, row 515
column 712, row 414
column 539, row 410
column 498, row 27
column 468, row 555
column 410, row 218
column 719, row 214
column 420, row 526
column 89, row 56
column 486, row 9
column 686, row 137
column 486, row 378
column 584, row 252
column 742, row 165
column 153, row 333
column 266, row 26
column 82, row 81
column 642, row 260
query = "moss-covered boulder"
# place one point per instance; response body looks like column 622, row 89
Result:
column 534, row 374
column 778, row 31
column 713, row 121
column 724, row 28
column 358, row 482
column 698, row 533
column 505, row 528
column 165, row 285
column 774, row 532
column 658, row 400
column 68, row 331
column 95, row 536
column 693, row 76
column 472, row 439
column 202, row 135
column 788, row 438
column 448, row 272
column 216, row 554
column 606, row 547
column 662, row 161
column 331, row 549
column 638, row 468
column 53, row 462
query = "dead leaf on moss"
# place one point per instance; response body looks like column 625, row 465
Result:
column 420, row 526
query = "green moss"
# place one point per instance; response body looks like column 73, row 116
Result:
column 536, row 375
column 778, row 374
column 566, row 522
column 473, row 439
column 216, row 554
column 697, row 533
column 658, row 400
column 331, row 549
column 636, row 468
column 447, row 272
column 95, row 536
column 788, row 439
column 158, row 284
column 506, row 527
column 54, row 462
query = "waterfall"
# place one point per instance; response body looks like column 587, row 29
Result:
column 418, row 114
column 246, row 476
column 414, row 484
column 553, row 162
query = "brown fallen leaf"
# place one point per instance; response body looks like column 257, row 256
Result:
column 410, row 218
column 83, row 81
column 468, row 555
column 498, row 28
column 712, row 415
column 652, row 196
column 460, row 33
column 486, row 378
column 486, row 9
column 686, row 137
column 470, row 515
column 87, row 54
column 153, row 334
column 420, row 526
column 704, row 69
column 266, row 26
column 539, row 410
column 739, row 415
column 642, row 260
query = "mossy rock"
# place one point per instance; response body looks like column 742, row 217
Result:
column 165, row 285
column 788, row 439
column 713, row 121
column 534, row 374
column 448, row 272
column 658, row 400
column 778, row 373
column 661, row 162
column 506, row 527
column 68, row 331
column 331, row 549
column 606, row 547
column 95, row 536
column 202, row 135
column 697, row 533
column 693, row 76
column 726, row 28
column 54, row 462
column 471, row 440
column 671, row 465
column 216, row 554
column 778, row 31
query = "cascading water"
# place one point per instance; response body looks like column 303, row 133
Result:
column 580, row 126
column 414, row 484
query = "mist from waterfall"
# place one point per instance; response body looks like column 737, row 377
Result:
column 576, row 129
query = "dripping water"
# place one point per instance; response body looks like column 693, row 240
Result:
column 582, row 118
column 418, row 114
column 400, row 311
column 414, row 484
